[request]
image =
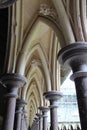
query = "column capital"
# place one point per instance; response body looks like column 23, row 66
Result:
column 20, row 103
column 53, row 95
column 39, row 115
column 44, row 108
column 13, row 80
column 73, row 52
column 36, row 119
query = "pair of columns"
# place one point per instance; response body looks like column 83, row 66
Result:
column 12, row 82
column 53, row 97
column 35, row 125
column 44, row 110
column 24, row 120
column 40, row 122
column 19, row 123
column 75, row 56
column 40, row 117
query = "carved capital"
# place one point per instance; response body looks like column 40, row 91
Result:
column 46, row 10
column 13, row 80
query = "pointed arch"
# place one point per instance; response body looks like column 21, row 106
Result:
column 25, row 60
column 31, row 109
column 33, row 77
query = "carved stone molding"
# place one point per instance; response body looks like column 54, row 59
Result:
column 46, row 10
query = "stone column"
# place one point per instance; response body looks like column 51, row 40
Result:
column 40, row 116
column 18, row 114
column 33, row 125
column 44, row 110
column 53, row 97
column 36, row 125
column 12, row 81
column 24, row 120
column 75, row 56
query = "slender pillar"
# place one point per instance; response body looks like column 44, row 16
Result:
column 75, row 56
column 40, row 116
column 53, row 97
column 20, row 103
column 12, row 82
column 24, row 120
column 33, row 127
column 44, row 110
column 36, row 126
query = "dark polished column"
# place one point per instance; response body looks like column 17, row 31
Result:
column 40, row 116
column 12, row 81
column 44, row 110
column 75, row 56
column 20, row 103
column 53, row 97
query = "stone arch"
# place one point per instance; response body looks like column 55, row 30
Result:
column 21, row 62
column 43, row 60
column 31, row 77
column 32, row 108
column 33, row 90
column 47, row 20
column 52, row 23
column 38, row 89
column 32, row 98
column 31, row 104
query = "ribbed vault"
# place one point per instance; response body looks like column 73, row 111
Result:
column 39, row 29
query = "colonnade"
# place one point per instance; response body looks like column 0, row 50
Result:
column 53, row 97
column 14, row 108
column 73, row 55
column 14, row 117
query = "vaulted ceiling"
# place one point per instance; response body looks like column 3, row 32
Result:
column 37, row 30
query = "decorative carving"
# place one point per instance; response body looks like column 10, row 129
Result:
column 47, row 11
column 6, row 3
